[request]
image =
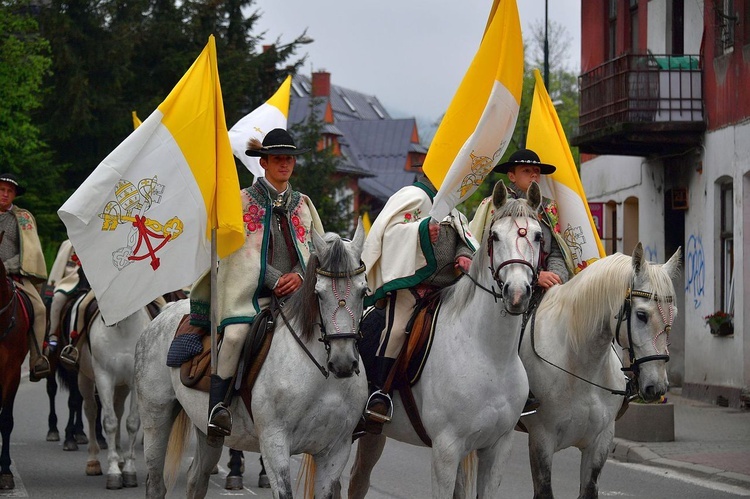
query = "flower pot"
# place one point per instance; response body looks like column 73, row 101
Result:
column 647, row 423
column 725, row 329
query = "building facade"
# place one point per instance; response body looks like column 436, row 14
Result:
column 664, row 135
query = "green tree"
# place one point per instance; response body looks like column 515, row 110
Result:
column 316, row 173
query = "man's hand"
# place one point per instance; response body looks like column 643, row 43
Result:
column 288, row 283
column 434, row 231
column 463, row 263
column 548, row 279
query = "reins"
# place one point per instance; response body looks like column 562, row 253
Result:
column 12, row 302
column 325, row 336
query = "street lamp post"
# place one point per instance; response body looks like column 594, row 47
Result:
column 546, row 49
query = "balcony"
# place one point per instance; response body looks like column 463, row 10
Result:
column 641, row 105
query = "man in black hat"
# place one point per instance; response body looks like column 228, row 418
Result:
column 524, row 167
column 21, row 253
column 270, row 265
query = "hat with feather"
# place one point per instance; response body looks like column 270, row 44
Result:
column 277, row 142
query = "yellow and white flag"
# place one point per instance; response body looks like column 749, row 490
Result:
column 141, row 222
column 479, row 122
column 136, row 121
column 272, row 114
column 546, row 137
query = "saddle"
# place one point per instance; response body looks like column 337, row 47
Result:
column 191, row 352
column 410, row 363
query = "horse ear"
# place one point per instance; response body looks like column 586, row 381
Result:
column 318, row 242
column 499, row 195
column 534, row 195
column 359, row 238
column 672, row 267
column 638, row 259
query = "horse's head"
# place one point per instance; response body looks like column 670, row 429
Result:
column 340, row 287
column 648, row 314
column 513, row 246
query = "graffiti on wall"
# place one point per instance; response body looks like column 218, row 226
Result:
column 695, row 269
column 651, row 254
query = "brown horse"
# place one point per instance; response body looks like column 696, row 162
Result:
column 14, row 345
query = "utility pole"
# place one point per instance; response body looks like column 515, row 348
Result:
column 546, row 49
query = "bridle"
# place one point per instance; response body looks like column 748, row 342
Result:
column 325, row 336
column 627, row 311
column 13, row 302
column 523, row 234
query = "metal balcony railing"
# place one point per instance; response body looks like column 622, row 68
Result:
column 636, row 89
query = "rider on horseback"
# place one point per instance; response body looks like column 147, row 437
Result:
column 407, row 257
column 556, row 264
column 278, row 225
column 21, row 253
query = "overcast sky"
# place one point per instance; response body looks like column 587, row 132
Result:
column 411, row 54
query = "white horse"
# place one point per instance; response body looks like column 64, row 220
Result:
column 473, row 386
column 574, row 369
column 107, row 368
column 296, row 406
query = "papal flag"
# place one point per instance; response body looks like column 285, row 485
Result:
column 141, row 223
column 272, row 114
column 546, row 137
column 479, row 122
column 136, row 120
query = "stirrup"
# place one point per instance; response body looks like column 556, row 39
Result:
column 40, row 372
column 374, row 415
column 69, row 355
column 215, row 428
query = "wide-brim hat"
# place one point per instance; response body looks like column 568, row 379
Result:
column 277, row 142
column 525, row 157
column 12, row 179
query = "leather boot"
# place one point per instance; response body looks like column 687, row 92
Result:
column 380, row 406
column 219, row 417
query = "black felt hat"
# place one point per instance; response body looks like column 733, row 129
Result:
column 277, row 142
column 12, row 179
column 525, row 157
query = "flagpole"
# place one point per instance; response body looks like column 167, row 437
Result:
column 214, row 304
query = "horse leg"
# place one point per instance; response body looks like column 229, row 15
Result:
column 99, row 431
column 236, row 465
column 157, row 418
column 540, row 459
column 112, row 398
column 75, row 407
column 369, row 449
column 6, row 427
column 329, row 465
column 593, row 458
column 275, row 450
column 86, row 387
column 132, row 424
column 53, row 434
column 445, row 461
column 204, row 461
column 492, row 462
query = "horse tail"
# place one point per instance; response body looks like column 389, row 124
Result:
column 178, row 439
column 469, row 469
column 306, row 475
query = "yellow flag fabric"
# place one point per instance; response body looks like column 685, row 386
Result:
column 366, row 222
column 547, row 138
column 272, row 114
column 479, row 122
column 141, row 222
column 136, row 121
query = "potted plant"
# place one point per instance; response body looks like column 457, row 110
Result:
column 721, row 323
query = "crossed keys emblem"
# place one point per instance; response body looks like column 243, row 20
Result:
column 147, row 236
column 481, row 166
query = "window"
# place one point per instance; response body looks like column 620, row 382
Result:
column 678, row 27
column 726, row 240
column 726, row 19
column 612, row 29
column 633, row 26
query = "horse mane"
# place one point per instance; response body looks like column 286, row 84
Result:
column 462, row 291
column 587, row 301
column 302, row 306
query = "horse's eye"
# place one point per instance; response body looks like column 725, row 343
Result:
column 642, row 316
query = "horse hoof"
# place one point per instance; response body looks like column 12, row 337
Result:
column 234, row 483
column 70, row 445
column 114, row 482
column 215, row 471
column 263, row 482
column 7, row 482
column 81, row 438
column 53, row 436
column 102, row 444
column 93, row 468
column 129, row 480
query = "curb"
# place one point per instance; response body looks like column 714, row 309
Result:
column 636, row 452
